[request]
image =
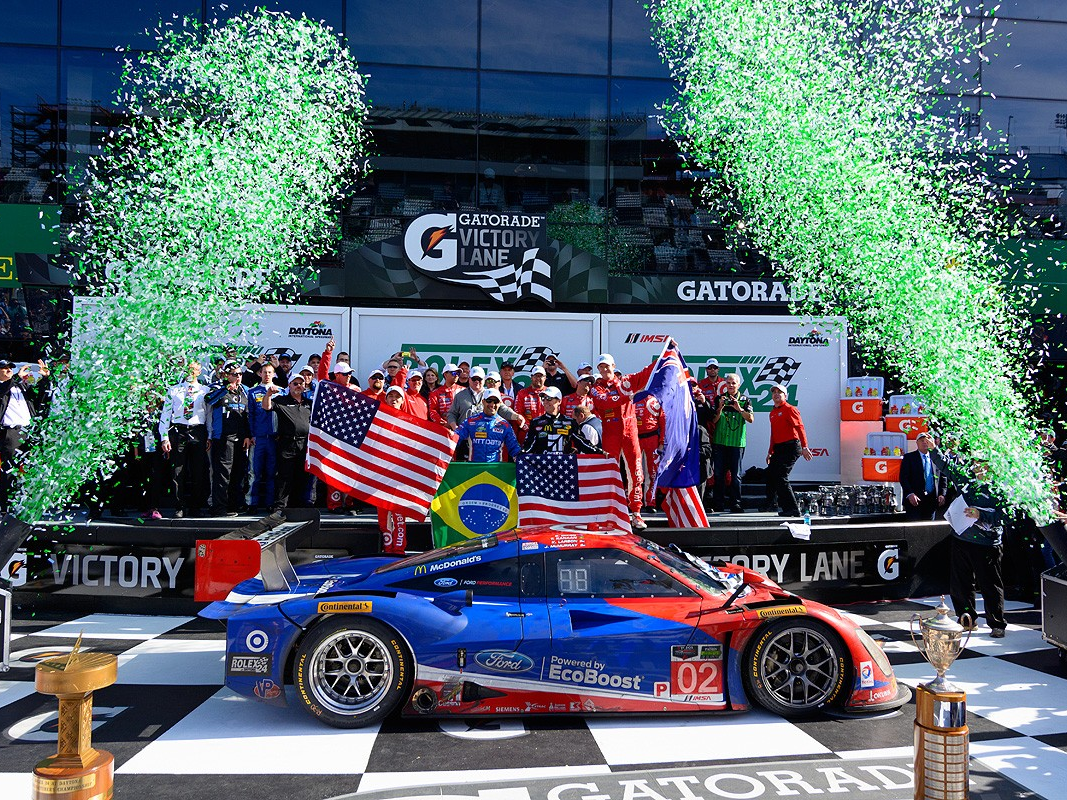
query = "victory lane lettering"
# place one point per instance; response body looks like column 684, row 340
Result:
column 107, row 570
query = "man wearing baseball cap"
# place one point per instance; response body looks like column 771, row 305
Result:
column 376, row 385
column 231, row 438
column 550, row 432
column 488, row 432
column 712, row 385
column 528, row 401
column 441, row 398
column 788, row 443
column 468, row 402
column 613, row 402
column 581, row 395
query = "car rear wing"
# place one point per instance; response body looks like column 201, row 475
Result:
column 258, row 548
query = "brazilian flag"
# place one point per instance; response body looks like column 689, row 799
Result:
column 474, row 500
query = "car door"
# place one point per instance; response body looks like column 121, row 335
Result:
column 476, row 596
column 616, row 623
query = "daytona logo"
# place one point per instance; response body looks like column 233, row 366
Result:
column 317, row 330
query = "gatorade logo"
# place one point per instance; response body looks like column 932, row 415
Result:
column 857, row 407
column 889, row 563
column 881, row 467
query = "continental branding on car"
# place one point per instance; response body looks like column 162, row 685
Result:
column 590, row 673
column 347, row 607
column 781, row 611
column 504, row 661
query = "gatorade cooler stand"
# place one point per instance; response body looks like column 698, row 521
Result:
column 907, row 415
column 884, row 452
column 863, row 400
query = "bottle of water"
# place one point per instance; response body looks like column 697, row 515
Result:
column 807, row 517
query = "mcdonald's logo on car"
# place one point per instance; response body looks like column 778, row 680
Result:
column 420, row 569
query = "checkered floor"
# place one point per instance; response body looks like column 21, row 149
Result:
column 176, row 733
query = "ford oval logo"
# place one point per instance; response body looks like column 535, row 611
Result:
column 445, row 582
column 504, row 661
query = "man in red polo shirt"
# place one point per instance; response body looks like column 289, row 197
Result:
column 613, row 402
column 788, row 443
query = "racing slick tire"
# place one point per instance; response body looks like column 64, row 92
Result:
column 351, row 673
column 795, row 666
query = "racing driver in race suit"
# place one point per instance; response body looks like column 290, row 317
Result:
column 613, row 402
column 489, row 432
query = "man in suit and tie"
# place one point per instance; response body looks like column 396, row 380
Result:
column 922, row 483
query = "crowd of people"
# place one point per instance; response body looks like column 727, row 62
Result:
column 233, row 438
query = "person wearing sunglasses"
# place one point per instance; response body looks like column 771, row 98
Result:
column 487, row 432
column 441, row 398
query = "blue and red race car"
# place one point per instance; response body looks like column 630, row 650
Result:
column 546, row 620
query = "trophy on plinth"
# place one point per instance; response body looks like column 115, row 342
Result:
column 77, row 771
column 941, row 736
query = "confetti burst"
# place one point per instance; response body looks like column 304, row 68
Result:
column 217, row 193
column 828, row 123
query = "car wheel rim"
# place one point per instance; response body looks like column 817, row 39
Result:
column 800, row 668
column 351, row 671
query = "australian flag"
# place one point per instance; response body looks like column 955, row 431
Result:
column 679, row 465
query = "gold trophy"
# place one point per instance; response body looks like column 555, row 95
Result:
column 77, row 771
column 941, row 736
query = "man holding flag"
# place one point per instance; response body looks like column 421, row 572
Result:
column 680, row 457
column 613, row 402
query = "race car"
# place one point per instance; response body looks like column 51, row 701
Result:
column 559, row 619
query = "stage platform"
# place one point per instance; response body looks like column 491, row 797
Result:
column 138, row 565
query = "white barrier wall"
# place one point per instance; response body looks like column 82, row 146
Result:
column 298, row 330
column 483, row 338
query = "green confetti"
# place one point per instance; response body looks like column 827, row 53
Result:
column 220, row 190
column 827, row 122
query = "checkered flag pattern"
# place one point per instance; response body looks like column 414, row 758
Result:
column 778, row 370
column 509, row 284
column 532, row 357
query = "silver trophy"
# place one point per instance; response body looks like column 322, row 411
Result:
column 943, row 641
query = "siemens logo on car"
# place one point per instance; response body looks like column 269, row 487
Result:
column 591, row 676
column 504, row 661
column 459, row 562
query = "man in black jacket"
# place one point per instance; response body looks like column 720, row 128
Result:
column 17, row 399
column 922, row 482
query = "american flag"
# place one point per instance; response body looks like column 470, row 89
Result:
column 569, row 488
column 684, row 509
column 375, row 453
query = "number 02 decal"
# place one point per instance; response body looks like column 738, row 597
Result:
column 696, row 673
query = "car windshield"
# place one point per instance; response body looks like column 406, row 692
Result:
column 695, row 569
column 441, row 553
